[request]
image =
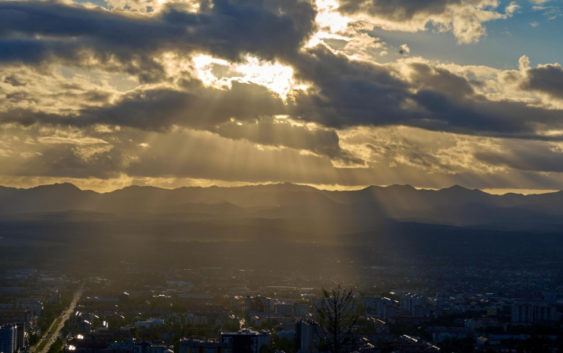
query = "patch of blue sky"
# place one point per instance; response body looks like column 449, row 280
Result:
column 535, row 33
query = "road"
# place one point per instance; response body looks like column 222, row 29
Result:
column 54, row 330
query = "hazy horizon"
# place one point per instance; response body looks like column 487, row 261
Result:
column 102, row 190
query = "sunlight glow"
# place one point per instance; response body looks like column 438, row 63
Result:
column 220, row 73
column 504, row 191
column 329, row 21
column 551, row 133
column 328, row 17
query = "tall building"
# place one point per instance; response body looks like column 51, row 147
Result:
column 382, row 307
column 8, row 338
column 145, row 347
column 246, row 341
column 533, row 312
column 413, row 304
column 307, row 336
column 20, row 336
column 190, row 345
column 10, row 316
column 258, row 304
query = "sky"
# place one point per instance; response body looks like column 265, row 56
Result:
column 338, row 94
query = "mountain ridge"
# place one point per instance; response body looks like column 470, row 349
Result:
column 455, row 205
column 392, row 186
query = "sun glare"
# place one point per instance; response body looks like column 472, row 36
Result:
column 220, row 73
column 328, row 17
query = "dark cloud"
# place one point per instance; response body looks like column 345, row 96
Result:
column 398, row 10
column 481, row 116
column 273, row 132
column 546, row 79
column 527, row 156
column 349, row 92
column 202, row 107
column 159, row 109
column 268, row 29
column 65, row 161
column 35, row 51
column 426, row 77
column 96, row 96
column 14, row 80
column 19, row 97
column 61, row 152
column 345, row 93
column 354, row 93
column 243, row 112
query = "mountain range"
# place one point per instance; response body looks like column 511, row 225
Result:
column 277, row 226
column 456, row 205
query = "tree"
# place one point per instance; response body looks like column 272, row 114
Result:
column 336, row 315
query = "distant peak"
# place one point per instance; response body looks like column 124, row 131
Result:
column 459, row 188
column 283, row 186
column 456, row 187
column 57, row 186
column 132, row 189
column 138, row 187
column 401, row 187
column 389, row 187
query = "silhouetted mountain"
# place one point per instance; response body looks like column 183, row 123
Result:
column 373, row 205
column 274, row 227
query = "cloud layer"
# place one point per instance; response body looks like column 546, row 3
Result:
column 251, row 91
column 465, row 18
